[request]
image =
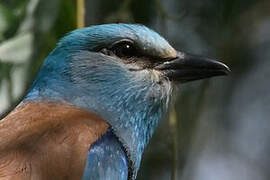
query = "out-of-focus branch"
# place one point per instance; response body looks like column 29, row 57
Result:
column 165, row 14
column 173, row 130
column 125, row 5
column 9, row 86
column 122, row 14
column 80, row 13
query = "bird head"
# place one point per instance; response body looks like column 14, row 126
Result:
column 125, row 73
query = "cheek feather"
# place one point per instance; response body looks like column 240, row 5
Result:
column 159, row 88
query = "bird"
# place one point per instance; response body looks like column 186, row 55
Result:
column 95, row 104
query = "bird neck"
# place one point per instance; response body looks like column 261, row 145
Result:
column 133, row 109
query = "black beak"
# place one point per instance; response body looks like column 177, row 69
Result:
column 186, row 67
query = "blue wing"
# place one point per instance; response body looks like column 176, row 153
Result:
column 106, row 160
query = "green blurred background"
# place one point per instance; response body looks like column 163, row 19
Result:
column 222, row 127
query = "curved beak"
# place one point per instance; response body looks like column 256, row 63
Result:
column 186, row 67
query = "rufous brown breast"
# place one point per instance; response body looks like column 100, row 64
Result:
column 47, row 141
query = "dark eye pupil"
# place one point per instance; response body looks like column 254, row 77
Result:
column 124, row 50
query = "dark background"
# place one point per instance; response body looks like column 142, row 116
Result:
column 222, row 130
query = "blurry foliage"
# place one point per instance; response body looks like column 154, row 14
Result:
column 37, row 26
column 30, row 29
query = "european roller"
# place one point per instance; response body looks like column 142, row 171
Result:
column 95, row 104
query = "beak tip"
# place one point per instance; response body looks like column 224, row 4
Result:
column 225, row 69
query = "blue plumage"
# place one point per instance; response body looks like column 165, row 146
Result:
column 106, row 159
column 131, row 102
column 129, row 93
column 93, row 37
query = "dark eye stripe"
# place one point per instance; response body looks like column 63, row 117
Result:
column 127, row 49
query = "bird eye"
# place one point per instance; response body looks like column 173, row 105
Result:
column 124, row 49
